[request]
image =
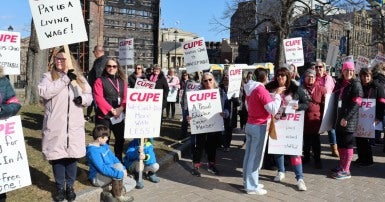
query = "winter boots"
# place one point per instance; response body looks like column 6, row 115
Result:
column 117, row 188
column 333, row 148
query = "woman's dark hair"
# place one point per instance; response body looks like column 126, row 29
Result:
column 119, row 73
column 287, row 73
column 100, row 131
column 260, row 74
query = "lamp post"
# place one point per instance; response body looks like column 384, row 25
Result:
column 10, row 28
column 347, row 28
column 176, row 34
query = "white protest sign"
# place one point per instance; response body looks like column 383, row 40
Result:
column 126, row 52
column 366, row 117
column 144, row 107
column 172, row 94
column 204, row 108
column 362, row 62
column 349, row 58
column 289, row 135
column 141, row 83
column 379, row 58
column 10, row 52
column 294, row 51
column 331, row 57
column 195, row 55
column 58, row 22
column 329, row 113
column 14, row 170
column 235, row 79
column 190, row 86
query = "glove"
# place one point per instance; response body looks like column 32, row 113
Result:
column 71, row 74
column 78, row 101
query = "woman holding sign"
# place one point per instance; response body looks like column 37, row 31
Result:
column 9, row 105
column 110, row 93
column 372, row 92
column 292, row 94
column 208, row 141
column 65, row 92
column 138, row 73
column 349, row 92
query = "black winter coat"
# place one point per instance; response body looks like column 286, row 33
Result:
column 349, row 108
column 161, row 83
column 375, row 91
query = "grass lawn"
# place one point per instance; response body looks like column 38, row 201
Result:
column 41, row 172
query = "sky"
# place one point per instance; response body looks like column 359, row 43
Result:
column 189, row 15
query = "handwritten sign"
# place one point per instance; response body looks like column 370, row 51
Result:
column 14, row 170
column 172, row 94
column 126, row 52
column 294, row 51
column 10, row 52
column 362, row 62
column 141, row 83
column 58, row 22
column 190, row 86
column 366, row 117
column 195, row 55
column 289, row 135
column 379, row 58
column 204, row 108
column 145, row 111
column 329, row 113
column 235, row 79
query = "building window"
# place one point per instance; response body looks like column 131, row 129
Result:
column 107, row 9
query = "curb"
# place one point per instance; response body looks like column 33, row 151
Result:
column 93, row 194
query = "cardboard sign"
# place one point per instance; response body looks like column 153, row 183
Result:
column 14, row 170
column 144, row 107
column 235, row 80
column 126, row 52
column 366, row 117
column 195, row 55
column 141, row 84
column 329, row 113
column 204, row 108
column 58, row 22
column 362, row 62
column 294, row 51
column 289, row 135
column 10, row 52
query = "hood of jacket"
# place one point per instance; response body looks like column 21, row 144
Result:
column 250, row 86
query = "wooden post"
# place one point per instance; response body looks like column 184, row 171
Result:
column 141, row 165
column 74, row 84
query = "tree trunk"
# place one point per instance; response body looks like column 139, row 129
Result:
column 37, row 64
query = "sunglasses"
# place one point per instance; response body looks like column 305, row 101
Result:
column 60, row 59
column 318, row 67
column 112, row 66
column 138, row 68
column 207, row 80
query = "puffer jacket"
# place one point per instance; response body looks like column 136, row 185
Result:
column 63, row 124
column 132, row 153
column 9, row 103
column 350, row 96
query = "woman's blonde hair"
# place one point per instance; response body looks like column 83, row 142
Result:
column 212, row 76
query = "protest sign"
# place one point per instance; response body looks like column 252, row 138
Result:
column 204, row 108
column 58, row 22
column 10, row 52
column 329, row 113
column 172, row 94
column 13, row 156
column 379, row 58
column 126, row 51
column 195, row 55
column 289, row 135
column 145, row 113
column 294, row 51
column 190, row 86
column 331, row 57
column 349, row 58
column 235, row 79
column 362, row 62
column 141, row 83
column 366, row 117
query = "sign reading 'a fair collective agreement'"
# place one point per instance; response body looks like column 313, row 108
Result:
column 58, row 22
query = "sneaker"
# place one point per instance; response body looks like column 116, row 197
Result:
column 301, row 185
column 336, row 169
column 342, row 175
column 280, row 176
column 261, row 186
column 139, row 184
column 153, row 178
column 195, row 172
column 212, row 169
column 257, row 192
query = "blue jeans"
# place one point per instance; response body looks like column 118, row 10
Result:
column 279, row 159
column 255, row 139
column 332, row 136
column 64, row 171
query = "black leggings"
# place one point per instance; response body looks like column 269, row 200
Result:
column 208, row 142
column 172, row 105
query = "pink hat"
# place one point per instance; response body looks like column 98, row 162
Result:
column 348, row 66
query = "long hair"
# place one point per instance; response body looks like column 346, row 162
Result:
column 211, row 75
column 119, row 74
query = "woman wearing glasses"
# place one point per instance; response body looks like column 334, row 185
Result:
column 110, row 91
column 138, row 73
column 292, row 92
column 208, row 141
column 63, row 126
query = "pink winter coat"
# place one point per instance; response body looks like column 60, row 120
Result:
column 63, row 125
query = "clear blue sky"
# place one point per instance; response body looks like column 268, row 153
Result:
column 192, row 15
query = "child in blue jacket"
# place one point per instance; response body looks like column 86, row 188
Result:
column 135, row 153
column 105, row 168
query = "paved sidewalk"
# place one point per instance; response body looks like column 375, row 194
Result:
column 177, row 184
